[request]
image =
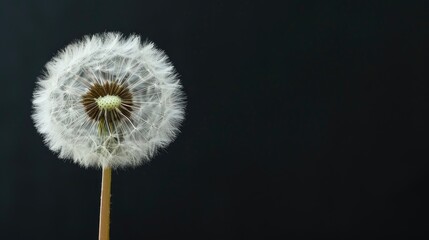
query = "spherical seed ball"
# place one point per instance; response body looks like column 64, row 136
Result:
column 108, row 101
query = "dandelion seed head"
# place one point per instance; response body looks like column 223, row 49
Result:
column 108, row 101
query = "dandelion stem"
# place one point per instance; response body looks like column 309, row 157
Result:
column 103, row 231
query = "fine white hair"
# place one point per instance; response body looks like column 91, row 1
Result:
column 142, row 126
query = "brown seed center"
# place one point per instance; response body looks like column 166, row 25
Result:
column 108, row 102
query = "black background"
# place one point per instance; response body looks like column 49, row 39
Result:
column 305, row 119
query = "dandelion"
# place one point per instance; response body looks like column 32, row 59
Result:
column 108, row 102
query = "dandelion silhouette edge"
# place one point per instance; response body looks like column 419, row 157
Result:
column 108, row 101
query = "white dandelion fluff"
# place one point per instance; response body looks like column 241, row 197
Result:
column 108, row 101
